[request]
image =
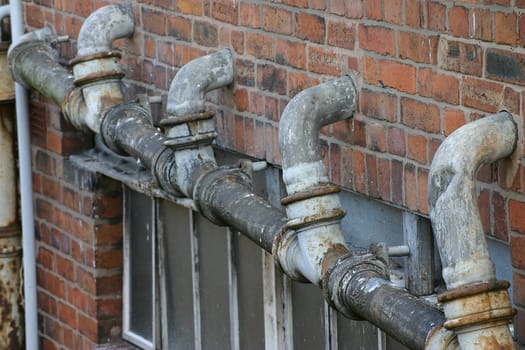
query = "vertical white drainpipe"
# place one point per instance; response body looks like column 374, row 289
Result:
column 477, row 307
column 26, row 193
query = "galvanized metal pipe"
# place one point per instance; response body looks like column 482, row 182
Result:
column 476, row 306
column 312, row 205
column 33, row 62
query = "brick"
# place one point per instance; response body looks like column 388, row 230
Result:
column 51, row 188
column 505, row 28
column 273, row 79
column 481, row 24
column 335, row 163
column 452, row 120
column 239, row 133
column 271, row 108
column 378, row 104
column 383, row 178
column 260, row 46
column 179, row 28
column 359, row 174
column 45, row 163
column 350, row 131
column 438, row 86
column 422, row 181
column 505, row 66
column 417, row 148
column 244, row 72
column 374, row 9
column 241, row 100
column 224, row 10
column 250, row 15
column 398, row 76
column 237, row 41
column 257, row 103
column 370, row 70
column 347, row 166
column 411, row 195
column 377, row 39
column 341, row 34
column 458, row 21
column 350, row 9
column 299, row 81
column 109, row 285
column 420, row 115
column 276, row 20
column 205, row 33
column 65, row 268
column 153, row 21
column 109, row 258
column 249, row 135
column 518, row 284
column 436, row 15
column 481, row 94
column 310, row 27
column 397, row 181
column 376, row 137
column 417, row 47
column 396, row 141
column 290, row 53
column 393, row 11
column 324, row 61
column 45, row 258
column 89, row 327
column 460, row 57
column 499, row 217
column 414, row 15
column 371, row 176
column 517, row 247
column 511, row 100
column 516, row 217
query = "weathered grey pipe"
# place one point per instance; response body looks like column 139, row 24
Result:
column 103, row 26
column 33, row 62
column 467, row 267
column 316, row 217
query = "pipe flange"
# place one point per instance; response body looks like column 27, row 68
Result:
column 94, row 56
column 193, row 141
column 99, row 76
column 10, row 231
column 348, row 271
column 282, row 244
column 312, row 220
column 312, row 192
column 172, row 121
column 477, row 304
column 210, row 179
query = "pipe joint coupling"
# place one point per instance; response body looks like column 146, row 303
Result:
column 470, row 307
column 203, row 190
column 117, row 114
column 100, row 66
column 189, row 131
column 346, row 274
column 285, row 248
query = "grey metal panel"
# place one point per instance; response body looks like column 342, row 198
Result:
column 500, row 254
column 214, row 257
column 308, row 312
column 176, row 257
column 392, row 344
column 368, row 221
column 355, row 335
column 140, row 230
column 250, row 293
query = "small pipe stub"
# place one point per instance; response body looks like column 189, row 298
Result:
column 283, row 243
column 197, row 133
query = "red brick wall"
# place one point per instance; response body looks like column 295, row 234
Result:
column 424, row 68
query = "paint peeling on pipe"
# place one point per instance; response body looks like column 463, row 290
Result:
column 477, row 306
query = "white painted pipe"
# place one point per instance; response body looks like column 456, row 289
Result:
column 26, row 193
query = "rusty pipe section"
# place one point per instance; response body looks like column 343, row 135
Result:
column 96, row 66
column 189, row 128
column 33, row 62
column 477, row 306
column 104, row 26
column 313, row 206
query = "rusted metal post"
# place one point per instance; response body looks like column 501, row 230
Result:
column 477, row 306
column 11, row 320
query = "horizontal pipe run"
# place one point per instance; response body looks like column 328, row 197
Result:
column 33, row 63
column 224, row 196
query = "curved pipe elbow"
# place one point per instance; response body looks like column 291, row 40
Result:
column 191, row 83
column 103, row 27
column 5, row 10
column 452, row 196
column 299, row 128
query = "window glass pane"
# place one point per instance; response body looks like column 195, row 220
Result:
column 176, row 257
column 139, row 245
column 214, row 289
